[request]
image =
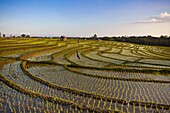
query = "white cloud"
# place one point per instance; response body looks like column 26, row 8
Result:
column 163, row 17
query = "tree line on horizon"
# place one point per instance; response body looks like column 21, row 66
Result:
column 146, row 40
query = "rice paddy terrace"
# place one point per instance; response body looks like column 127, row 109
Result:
column 80, row 76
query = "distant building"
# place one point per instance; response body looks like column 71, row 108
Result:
column 63, row 38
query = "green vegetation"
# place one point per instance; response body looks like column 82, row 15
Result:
column 146, row 40
column 77, row 75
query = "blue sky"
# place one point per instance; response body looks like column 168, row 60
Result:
column 85, row 17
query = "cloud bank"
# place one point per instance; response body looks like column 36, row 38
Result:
column 162, row 18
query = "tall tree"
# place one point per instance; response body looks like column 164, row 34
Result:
column 95, row 36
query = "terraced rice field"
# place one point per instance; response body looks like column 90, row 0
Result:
column 83, row 76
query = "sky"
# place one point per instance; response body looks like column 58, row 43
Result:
column 84, row 18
